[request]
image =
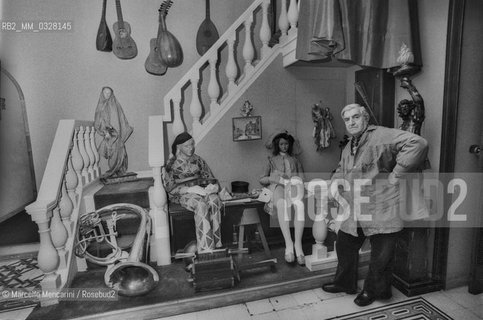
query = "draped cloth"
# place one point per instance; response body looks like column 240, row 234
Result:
column 369, row 33
column 111, row 124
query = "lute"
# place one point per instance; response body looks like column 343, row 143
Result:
column 169, row 48
column 207, row 34
column 103, row 39
column 124, row 46
column 154, row 65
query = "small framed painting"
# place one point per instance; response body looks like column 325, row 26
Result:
column 247, row 128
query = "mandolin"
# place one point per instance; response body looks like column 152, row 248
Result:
column 124, row 46
column 104, row 39
column 169, row 48
column 154, row 64
column 207, row 34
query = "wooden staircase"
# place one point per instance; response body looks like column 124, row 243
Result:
column 71, row 177
column 210, row 92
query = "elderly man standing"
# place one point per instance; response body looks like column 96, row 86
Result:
column 375, row 158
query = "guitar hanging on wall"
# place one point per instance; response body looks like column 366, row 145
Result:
column 169, row 48
column 104, row 39
column 207, row 34
column 154, row 64
column 124, row 46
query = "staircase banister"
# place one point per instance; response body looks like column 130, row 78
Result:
column 156, row 141
column 38, row 209
column 205, row 58
column 55, row 168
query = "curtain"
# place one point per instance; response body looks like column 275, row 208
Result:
column 369, row 33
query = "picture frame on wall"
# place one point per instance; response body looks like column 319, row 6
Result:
column 247, row 128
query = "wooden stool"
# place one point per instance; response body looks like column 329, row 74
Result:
column 250, row 216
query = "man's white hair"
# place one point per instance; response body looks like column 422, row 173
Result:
column 355, row 106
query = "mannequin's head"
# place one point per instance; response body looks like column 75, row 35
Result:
column 186, row 149
column 183, row 145
column 106, row 92
column 283, row 142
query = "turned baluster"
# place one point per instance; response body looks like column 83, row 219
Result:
column 319, row 228
column 90, row 153
column 319, row 231
column 71, row 180
column 159, row 214
column 48, row 258
column 231, row 69
column 318, row 211
column 178, row 126
column 77, row 161
column 213, row 87
column 66, row 207
column 293, row 16
column 195, row 106
column 283, row 23
column 248, row 50
column 97, row 158
column 59, row 236
column 265, row 33
column 83, row 153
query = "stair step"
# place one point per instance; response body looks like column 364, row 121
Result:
column 19, row 251
column 133, row 192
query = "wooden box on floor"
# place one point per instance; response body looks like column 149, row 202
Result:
column 213, row 272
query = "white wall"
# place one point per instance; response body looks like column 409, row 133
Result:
column 283, row 98
column 62, row 73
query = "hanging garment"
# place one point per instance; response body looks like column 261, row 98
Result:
column 364, row 32
column 323, row 129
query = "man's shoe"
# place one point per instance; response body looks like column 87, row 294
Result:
column 333, row 288
column 364, row 299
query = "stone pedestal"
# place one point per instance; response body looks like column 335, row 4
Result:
column 320, row 258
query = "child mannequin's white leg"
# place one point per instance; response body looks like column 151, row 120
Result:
column 299, row 230
column 280, row 207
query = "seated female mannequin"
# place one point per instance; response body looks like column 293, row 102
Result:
column 282, row 166
column 180, row 172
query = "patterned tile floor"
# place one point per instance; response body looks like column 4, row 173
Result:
column 20, row 275
column 310, row 304
column 317, row 305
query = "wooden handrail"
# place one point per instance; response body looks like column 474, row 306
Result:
column 206, row 57
column 56, row 208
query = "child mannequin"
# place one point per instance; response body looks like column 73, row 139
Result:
column 283, row 165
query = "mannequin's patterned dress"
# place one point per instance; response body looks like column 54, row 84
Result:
column 206, row 208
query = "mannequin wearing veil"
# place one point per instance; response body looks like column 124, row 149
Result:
column 111, row 124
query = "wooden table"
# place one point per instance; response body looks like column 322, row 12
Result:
column 182, row 225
